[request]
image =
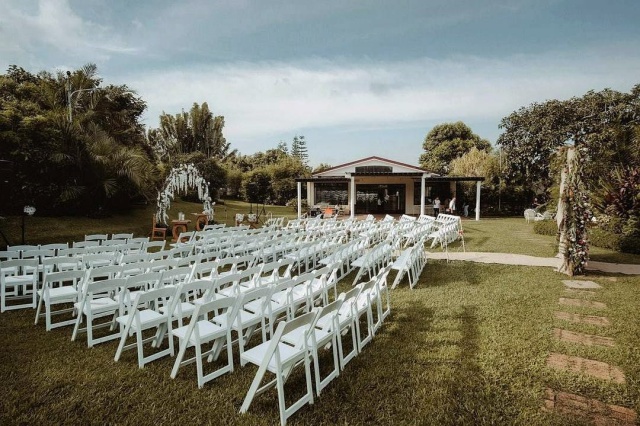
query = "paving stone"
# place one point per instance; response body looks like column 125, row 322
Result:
column 598, row 369
column 584, row 319
column 581, row 284
column 582, row 338
column 572, row 292
column 592, row 410
column 582, row 303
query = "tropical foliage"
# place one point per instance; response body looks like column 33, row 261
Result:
column 600, row 125
column 446, row 142
column 76, row 146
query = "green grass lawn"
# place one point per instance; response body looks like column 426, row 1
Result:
column 467, row 346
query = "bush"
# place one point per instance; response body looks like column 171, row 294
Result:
column 630, row 244
column 604, row 239
column 294, row 204
column 545, row 227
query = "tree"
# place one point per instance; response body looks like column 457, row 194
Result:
column 446, row 142
column 97, row 160
column 322, row 167
column 597, row 125
column 299, row 149
column 196, row 130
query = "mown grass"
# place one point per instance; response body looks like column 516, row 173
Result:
column 44, row 230
column 467, row 346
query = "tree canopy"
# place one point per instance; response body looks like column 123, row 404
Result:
column 195, row 130
column 76, row 146
column 446, row 142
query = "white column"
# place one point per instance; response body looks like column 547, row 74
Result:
column 352, row 201
column 478, row 200
column 422, row 190
column 299, row 199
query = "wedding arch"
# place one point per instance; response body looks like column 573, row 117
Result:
column 181, row 179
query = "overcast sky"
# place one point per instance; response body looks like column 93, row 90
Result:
column 355, row 77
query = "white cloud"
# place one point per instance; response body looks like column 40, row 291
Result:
column 53, row 26
column 267, row 98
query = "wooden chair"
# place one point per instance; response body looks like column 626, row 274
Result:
column 156, row 232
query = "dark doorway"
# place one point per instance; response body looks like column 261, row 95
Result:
column 380, row 199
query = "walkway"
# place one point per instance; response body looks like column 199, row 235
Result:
column 522, row 259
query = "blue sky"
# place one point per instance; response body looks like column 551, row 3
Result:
column 355, row 77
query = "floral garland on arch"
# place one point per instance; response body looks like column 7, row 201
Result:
column 575, row 211
column 182, row 178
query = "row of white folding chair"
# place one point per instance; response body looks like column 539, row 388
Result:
column 297, row 341
column 373, row 260
column 405, row 263
column 18, row 284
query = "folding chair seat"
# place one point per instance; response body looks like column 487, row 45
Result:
column 326, row 333
column 176, row 276
column 188, row 293
column 210, row 324
column 136, row 284
column 182, row 250
column 204, row 270
column 163, row 265
column 250, row 319
column 98, row 260
column 145, row 315
column 279, row 357
column 188, row 260
column 246, row 280
column 112, row 243
column 59, row 288
column 18, row 281
column 153, row 245
column 99, row 299
column 9, row 255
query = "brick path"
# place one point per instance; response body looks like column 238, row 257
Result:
column 569, row 404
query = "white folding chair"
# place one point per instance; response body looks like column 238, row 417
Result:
column 203, row 330
column 18, row 281
column 59, row 288
column 347, row 323
column 326, row 332
column 145, row 315
column 96, row 237
column 279, row 357
column 99, row 299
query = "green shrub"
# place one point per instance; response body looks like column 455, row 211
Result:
column 605, row 239
column 630, row 244
column 545, row 227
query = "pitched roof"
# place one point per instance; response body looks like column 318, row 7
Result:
column 363, row 160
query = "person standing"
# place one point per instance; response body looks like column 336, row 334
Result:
column 452, row 205
column 465, row 209
column 436, row 206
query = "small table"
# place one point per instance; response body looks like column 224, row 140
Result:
column 201, row 220
column 178, row 227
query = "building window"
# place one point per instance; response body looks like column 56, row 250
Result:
column 331, row 193
column 374, row 169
